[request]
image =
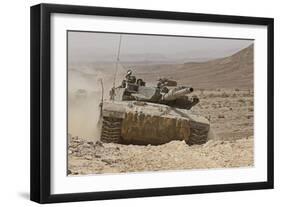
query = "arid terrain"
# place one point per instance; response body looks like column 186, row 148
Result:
column 225, row 89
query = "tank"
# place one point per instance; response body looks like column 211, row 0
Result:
column 138, row 114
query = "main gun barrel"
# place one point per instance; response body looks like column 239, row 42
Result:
column 175, row 93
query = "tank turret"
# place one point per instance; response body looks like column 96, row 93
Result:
column 165, row 92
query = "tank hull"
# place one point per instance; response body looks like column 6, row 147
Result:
column 135, row 122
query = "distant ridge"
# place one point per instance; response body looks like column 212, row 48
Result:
column 235, row 71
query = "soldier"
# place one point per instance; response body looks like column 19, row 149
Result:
column 162, row 82
column 112, row 93
column 129, row 77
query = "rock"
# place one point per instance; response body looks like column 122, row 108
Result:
column 99, row 143
column 86, row 145
column 249, row 116
column 88, row 157
column 107, row 161
column 224, row 95
column 221, row 116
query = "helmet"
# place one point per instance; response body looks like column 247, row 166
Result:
column 129, row 72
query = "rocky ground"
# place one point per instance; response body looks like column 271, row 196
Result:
column 231, row 114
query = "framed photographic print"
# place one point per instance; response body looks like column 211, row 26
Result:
column 133, row 103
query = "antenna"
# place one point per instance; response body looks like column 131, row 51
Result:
column 101, row 82
column 117, row 62
column 101, row 103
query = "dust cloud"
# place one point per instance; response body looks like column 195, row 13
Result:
column 83, row 117
column 84, row 98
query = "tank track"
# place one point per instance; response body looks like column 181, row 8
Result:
column 198, row 134
column 111, row 130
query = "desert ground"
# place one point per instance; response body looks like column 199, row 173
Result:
column 231, row 114
column 225, row 90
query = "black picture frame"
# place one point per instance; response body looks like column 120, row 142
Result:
column 41, row 102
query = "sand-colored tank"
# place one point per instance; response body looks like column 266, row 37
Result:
column 137, row 114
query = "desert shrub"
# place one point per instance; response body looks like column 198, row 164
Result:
column 225, row 95
column 241, row 100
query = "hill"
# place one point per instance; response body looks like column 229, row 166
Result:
column 235, row 71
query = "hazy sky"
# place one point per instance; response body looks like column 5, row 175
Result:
column 96, row 47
